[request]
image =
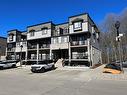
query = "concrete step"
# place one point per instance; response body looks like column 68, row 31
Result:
column 59, row 63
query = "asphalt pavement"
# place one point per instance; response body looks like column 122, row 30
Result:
column 20, row 81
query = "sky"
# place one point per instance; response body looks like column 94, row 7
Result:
column 18, row 14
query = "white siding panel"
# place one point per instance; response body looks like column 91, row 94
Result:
column 39, row 34
column 85, row 26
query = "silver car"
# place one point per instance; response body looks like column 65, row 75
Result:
column 7, row 64
column 42, row 67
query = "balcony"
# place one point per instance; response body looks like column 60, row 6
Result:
column 56, row 33
column 32, row 47
column 79, row 56
column 77, row 43
column 33, row 57
column 44, row 56
column 43, row 46
column 11, row 49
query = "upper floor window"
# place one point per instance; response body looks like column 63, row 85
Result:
column 65, row 31
column 18, row 44
column 55, row 40
column 44, row 30
column 64, row 39
column 11, row 37
column 77, row 25
column 32, row 32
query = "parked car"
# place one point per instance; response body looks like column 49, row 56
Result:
column 42, row 67
column 125, row 64
column 112, row 68
column 7, row 64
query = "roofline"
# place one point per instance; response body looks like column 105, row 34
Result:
column 62, row 23
column 12, row 30
column 93, row 22
column 41, row 24
column 78, row 15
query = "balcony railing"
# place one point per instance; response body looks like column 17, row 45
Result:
column 34, row 57
column 44, row 46
column 32, row 47
column 75, row 43
column 44, row 56
column 56, row 34
column 11, row 49
column 79, row 56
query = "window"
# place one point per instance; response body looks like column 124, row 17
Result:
column 18, row 44
column 44, row 30
column 61, row 30
column 77, row 25
column 64, row 39
column 65, row 31
column 55, row 40
column 11, row 37
column 32, row 32
column 24, row 43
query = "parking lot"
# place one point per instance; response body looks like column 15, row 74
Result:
column 20, row 81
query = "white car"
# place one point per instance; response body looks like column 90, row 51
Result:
column 42, row 67
column 7, row 64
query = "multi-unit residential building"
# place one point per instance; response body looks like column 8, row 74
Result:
column 76, row 42
column 3, row 44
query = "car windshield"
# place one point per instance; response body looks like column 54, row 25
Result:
column 41, row 62
column 3, row 62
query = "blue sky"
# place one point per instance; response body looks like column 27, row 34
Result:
column 18, row 14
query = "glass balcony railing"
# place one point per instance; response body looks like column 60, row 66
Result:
column 44, row 46
column 32, row 47
column 44, row 56
column 11, row 49
column 75, row 43
column 79, row 56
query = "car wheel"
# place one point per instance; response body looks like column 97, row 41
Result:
column 42, row 70
column 53, row 67
column 14, row 66
column 1, row 68
column 33, row 71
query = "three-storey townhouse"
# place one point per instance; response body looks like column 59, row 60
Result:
column 76, row 42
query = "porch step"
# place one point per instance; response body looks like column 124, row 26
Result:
column 59, row 63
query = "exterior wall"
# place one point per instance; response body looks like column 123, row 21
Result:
column 82, row 16
column 95, row 55
column 18, row 48
column 14, row 39
column 38, row 35
column 60, row 44
column 84, row 28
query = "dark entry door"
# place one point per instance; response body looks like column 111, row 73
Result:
column 61, row 53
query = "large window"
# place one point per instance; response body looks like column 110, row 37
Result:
column 11, row 37
column 77, row 25
column 18, row 44
column 55, row 40
column 64, row 39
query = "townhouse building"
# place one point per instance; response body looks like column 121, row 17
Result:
column 76, row 42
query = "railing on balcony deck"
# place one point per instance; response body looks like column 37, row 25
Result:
column 32, row 47
column 44, row 46
column 75, row 43
column 79, row 56
column 11, row 50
